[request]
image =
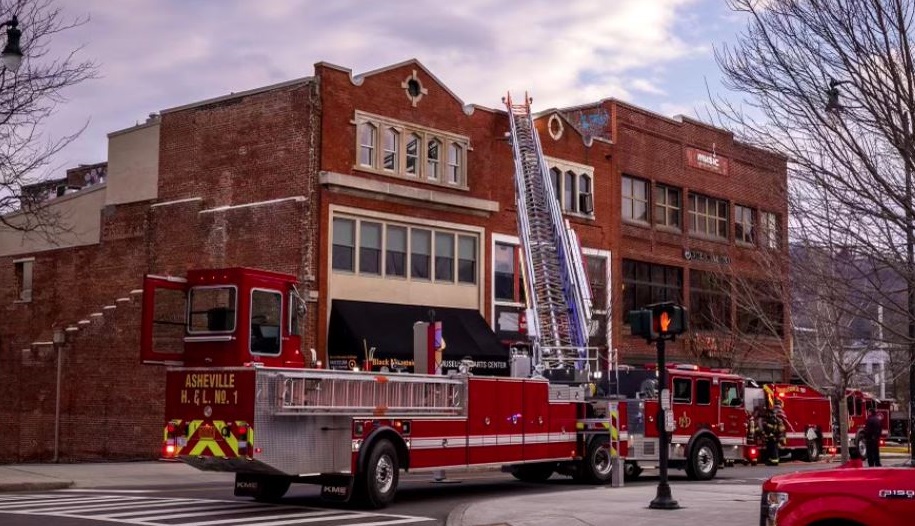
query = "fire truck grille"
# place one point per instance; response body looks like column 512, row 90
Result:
column 649, row 448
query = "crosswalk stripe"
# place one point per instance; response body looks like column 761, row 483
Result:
column 107, row 490
column 48, row 497
column 234, row 511
column 405, row 520
column 214, row 506
column 114, row 506
column 311, row 518
column 39, row 504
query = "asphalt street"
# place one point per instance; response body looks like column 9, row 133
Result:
column 420, row 501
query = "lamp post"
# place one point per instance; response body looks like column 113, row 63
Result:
column 11, row 56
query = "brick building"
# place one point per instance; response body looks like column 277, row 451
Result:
column 387, row 196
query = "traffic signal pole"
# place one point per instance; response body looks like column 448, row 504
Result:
column 663, row 500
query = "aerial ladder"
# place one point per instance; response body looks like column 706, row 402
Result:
column 558, row 294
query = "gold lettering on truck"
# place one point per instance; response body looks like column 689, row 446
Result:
column 207, row 380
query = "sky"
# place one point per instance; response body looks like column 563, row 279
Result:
column 158, row 54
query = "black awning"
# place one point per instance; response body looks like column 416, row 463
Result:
column 388, row 327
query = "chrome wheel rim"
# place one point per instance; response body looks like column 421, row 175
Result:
column 814, row 450
column 384, row 474
column 862, row 448
column 601, row 461
column 705, row 459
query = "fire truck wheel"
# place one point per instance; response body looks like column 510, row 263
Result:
column 703, row 460
column 271, row 489
column 533, row 472
column 377, row 483
column 597, row 466
column 862, row 445
column 631, row 471
column 813, row 451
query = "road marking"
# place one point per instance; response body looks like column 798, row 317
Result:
column 139, row 510
column 77, row 490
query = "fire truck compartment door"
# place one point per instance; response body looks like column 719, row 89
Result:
column 164, row 320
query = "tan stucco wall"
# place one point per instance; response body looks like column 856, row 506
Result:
column 133, row 164
column 76, row 219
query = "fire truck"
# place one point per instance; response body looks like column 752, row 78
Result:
column 810, row 421
column 240, row 399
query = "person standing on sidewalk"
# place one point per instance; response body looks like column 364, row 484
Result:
column 872, row 429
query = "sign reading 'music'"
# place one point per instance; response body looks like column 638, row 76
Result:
column 706, row 161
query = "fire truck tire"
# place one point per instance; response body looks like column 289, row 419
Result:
column 271, row 489
column 703, row 460
column 813, row 451
column 597, row 466
column 632, row 471
column 861, row 445
column 533, row 472
column 377, row 483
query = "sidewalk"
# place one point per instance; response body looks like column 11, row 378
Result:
column 37, row 477
column 702, row 504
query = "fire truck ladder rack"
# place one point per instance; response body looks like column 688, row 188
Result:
column 370, row 394
column 557, row 290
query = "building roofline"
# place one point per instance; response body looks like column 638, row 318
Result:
column 148, row 124
column 230, row 96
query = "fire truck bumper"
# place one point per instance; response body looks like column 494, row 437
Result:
column 231, row 465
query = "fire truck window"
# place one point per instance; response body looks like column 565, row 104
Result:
column 859, row 406
column 683, row 390
column 703, row 392
column 296, row 311
column 851, row 406
column 212, row 309
column 266, row 309
column 730, row 397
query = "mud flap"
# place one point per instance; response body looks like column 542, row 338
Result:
column 247, row 485
column 336, row 488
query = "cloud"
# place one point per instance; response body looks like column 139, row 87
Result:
column 155, row 54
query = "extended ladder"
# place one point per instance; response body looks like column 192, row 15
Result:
column 557, row 290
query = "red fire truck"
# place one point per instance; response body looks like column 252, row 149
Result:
column 240, row 399
column 811, row 426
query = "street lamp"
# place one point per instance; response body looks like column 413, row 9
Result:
column 11, row 56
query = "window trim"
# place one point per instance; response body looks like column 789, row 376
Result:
column 251, row 325
column 667, row 207
column 691, row 212
column 578, row 171
column 373, row 147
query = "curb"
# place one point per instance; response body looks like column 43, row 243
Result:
column 456, row 516
column 34, row 486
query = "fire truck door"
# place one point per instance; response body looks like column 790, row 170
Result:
column 164, row 320
column 733, row 415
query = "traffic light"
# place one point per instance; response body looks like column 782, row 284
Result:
column 660, row 321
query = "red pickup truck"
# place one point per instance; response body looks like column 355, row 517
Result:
column 846, row 496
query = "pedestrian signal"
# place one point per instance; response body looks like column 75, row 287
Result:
column 659, row 321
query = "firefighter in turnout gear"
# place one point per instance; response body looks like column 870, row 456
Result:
column 773, row 429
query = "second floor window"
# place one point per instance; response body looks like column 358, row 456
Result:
column 391, row 149
column 573, row 187
column 709, row 301
column 367, row 133
column 743, row 224
column 647, row 283
column 635, row 199
column 708, row 216
column 667, row 206
column 768, row 223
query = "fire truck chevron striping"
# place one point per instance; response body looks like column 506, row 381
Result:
column 236, row 369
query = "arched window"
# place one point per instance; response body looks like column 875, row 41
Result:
column 391, row 149
column 556, row 179
column 433, row 159
column 413, row 143
column 367, row 132
column 568, row 192
column 455, row 152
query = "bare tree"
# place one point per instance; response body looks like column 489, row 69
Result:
column 27, row 98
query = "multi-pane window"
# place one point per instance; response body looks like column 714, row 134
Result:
column 391, row 150
column 572, row 186
column 444, row 256
column 403, row 150
column 504, row 269
column 396, row 251
column 768, row 224
column 369, row 247
column 743, row 224
column 454, row 164
column 763, row 313
column 344, row 248
column 708, row 216
column 597, row 279
column 420, row 253
column 367, row 134
column 667, row 206
column 635, row 199
column 413, row 154
column 709, row 301
column 645, row 283
column 433, row 160
column 467, row 259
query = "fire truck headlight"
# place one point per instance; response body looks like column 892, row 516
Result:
column 356, row 445
column 774, row 501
